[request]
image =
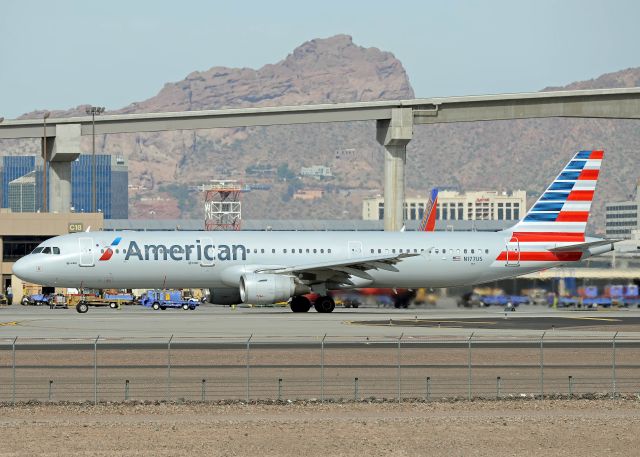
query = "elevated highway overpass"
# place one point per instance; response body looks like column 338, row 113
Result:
column 395, row 121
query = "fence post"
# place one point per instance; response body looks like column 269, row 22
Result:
column 95, row 370
column 570, row 386
column 50, row 388
column 248, row 372
column 355, row 389
column 279, row 389
column 428, row 388
column 322, row 368
column 399, row 372
column 542, row 365
column 202, row 390
column 498, row 382
column 126, row 389
column 13, row 369
column 469, row 368
column 613, row 366
column 169, row 368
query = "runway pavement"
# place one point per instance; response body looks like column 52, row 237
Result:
column 215, row 321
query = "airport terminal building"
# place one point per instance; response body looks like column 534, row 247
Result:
column 20, row 233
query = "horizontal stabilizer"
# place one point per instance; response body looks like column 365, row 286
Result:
column 583, row 246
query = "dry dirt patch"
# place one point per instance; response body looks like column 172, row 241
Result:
column 496, row 428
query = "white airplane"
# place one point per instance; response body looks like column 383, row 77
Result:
column 267, row 267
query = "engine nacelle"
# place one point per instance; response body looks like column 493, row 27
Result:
column 264, row 289
column 224, row 296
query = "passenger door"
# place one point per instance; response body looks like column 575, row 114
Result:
column 513, row 252
column 86, row 252
column 355, row 249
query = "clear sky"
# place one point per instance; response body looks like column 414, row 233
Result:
column 63, row 53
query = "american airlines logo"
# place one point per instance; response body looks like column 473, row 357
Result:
column 178, row 252
column 108, row 252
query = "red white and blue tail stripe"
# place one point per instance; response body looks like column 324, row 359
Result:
column 554, row 228
column 562, row 211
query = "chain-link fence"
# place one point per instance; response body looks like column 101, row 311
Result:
column 324, row 368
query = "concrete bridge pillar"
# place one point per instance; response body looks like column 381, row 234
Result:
column 394, row 134
column 64, row 149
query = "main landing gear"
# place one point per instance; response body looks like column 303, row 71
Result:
column 324, row 304
column 301, row 304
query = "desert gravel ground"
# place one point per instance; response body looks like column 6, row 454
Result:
column 496, row 428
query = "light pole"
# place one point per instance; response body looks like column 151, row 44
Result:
column 93, row 110
column 45, row 207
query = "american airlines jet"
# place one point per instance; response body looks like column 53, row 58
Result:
column 267, row 267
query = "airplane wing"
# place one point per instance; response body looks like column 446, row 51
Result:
column 583, row 246
column 340, row 270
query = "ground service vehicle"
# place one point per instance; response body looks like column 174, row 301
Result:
column 36, row 299
column 158, row 299
column 83, row 302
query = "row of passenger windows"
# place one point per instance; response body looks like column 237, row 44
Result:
column 56, row 250
column 400, row 251
column 46, row 250
column 433, row 251
column 293, row 251
column 322, row 251
column 464, row 251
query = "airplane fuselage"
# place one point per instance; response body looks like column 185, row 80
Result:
column 218, row 259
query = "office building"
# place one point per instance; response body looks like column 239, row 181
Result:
column 623, row 218
column 112, row 177
column 14, row 167
column 456, row 206
column 112, row 190
column 22, row 194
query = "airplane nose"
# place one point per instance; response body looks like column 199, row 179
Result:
column 21, row 268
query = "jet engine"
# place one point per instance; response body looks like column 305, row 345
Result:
column 264, row 289
column 224, row 296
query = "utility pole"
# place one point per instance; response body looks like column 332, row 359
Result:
column 45, row 207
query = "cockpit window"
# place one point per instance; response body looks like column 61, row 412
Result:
column 46, row 250
column 56, row 250
column 37, row 250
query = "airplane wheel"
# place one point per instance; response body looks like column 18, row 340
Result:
column 324, row 305
column 300, row 304
column 156, row 306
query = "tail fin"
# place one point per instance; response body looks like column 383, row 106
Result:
column 428, row 223
column 562, row 211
